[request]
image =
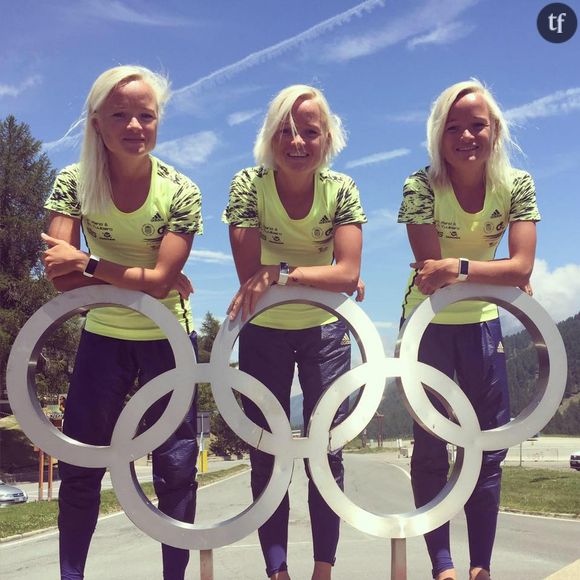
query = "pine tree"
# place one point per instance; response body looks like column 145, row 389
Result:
column 26, row 177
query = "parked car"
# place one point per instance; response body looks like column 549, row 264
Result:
column 10, row 495
column 575, row 460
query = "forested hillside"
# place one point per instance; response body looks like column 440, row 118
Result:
column 522, row 369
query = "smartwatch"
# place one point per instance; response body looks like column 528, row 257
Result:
column 463, row 270
column 91, row 266
column 284, row 273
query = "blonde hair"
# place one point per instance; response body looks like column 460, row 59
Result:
column 94, row 188
column 498, row 168
column 280, row 111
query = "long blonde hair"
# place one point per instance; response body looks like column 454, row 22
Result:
column 498, row 168
column 94, row 188
column 280, row 110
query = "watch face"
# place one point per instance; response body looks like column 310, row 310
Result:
column 91, row 267
column 463, row 267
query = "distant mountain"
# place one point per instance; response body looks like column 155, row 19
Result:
column 522, row 363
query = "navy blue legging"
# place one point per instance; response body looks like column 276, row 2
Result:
column 105, row 371
column 473, row 355
column 322, row 354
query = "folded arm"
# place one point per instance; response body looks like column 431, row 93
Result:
column 434, row 272
column 65, row 263
column 255, row 278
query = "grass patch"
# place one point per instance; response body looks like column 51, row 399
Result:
column 365, row 450
column 542, row 491
column 39, row 515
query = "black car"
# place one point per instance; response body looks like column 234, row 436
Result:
column 575, row 460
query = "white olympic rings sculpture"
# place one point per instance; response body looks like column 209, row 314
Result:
column 320, row 438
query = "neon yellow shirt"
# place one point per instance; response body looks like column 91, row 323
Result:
column 255, row 203
column 133, row 239
column 464, row 235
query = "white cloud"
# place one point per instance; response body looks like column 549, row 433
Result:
column 379, row 219
column 209, row 257
column 433, row 13
column 16, row 90
column 66, row 142
column 387, row 325
column 190, row 150
column 558, row 291
column 275, row 50
column 558, row 103
column 118, row 11
column 381, row 232
column 242, row 116
column 408, row 117
column 377, row 158
column 445, row 34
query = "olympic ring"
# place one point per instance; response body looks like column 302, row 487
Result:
column 320, row 437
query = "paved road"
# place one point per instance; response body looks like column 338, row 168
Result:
column 527, row 548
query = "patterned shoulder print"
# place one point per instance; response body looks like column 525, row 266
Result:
column 185, row 209
column 242, row 208
column 63, row 198
column 523, row 198
column 418, row 205
column 348, row 205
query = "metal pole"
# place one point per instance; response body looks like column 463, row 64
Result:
column 50, row 474
column 206, row 564
column 398, row 559
column 40, row 474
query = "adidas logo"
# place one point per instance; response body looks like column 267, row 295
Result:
column 500, row 347
column 157, row 218
column 325, row 220
column 496, row 214
column 345, row 340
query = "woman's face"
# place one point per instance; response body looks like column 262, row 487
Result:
column 127, row 120
column 303, row 152
column 467, row 136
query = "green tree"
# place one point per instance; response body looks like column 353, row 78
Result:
column 26, row 177
column 224, row 441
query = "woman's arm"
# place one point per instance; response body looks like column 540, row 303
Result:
column 64, row 259
column 68, row 229
column 255, row 279
column 434, row 273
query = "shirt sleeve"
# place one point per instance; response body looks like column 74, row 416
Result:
column 418, row 205
column 242, row 208
column 523, row 199
column 63, row 197
column 185, row 210
column 348, row 205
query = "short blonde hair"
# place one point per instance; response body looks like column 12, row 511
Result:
column 280, row 111
column 94, row 188
column 498, row 168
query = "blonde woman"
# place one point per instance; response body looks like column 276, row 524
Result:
column 456, row 211
column 293, row 222
column 138, row 216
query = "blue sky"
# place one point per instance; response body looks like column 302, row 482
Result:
column 380, row 63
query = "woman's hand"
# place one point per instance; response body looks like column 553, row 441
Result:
column 251, row 291
column 183, row 285
column 360, row 290
column 435, row 274
column 62, row 258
